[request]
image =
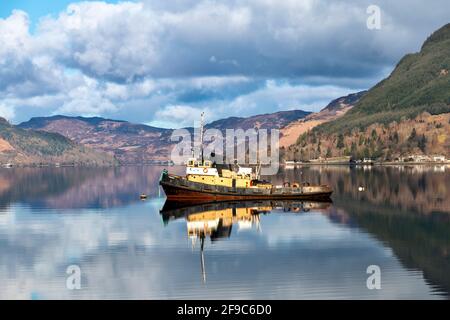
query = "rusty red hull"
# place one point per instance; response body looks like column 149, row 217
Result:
column 186, row 194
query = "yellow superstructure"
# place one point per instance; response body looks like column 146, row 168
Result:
column 220, row 181
column 205, row 173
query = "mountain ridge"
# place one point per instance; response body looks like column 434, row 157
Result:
column 139, row 143
column 29, row 147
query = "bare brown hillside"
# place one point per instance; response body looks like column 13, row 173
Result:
column 334, row 110
column 424, row 135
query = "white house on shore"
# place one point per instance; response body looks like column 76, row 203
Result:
column 422, row 158
column 438, row 158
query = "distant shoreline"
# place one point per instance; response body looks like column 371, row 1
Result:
column 81, row 165
column 2, row 166
column 390, row 163
column 374, row 164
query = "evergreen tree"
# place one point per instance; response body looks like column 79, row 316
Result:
column 413, row 135
column 422, row 143
column 374, row 134
column 361, row 140
column 396, row 138
column 366, row 152
column 353, row 149
column 346, row 151
column 340, row 141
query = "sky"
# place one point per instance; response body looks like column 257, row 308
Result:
column 164, row 62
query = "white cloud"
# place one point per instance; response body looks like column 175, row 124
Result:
column 116, row 41
column 271, row 97
column 284, row 96
column 25, row 69
column 87, row 99
column 145, row 56
column 177, row 116
column 7, row 112
column 128, row 40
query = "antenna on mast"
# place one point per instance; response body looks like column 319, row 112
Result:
column 258, row 160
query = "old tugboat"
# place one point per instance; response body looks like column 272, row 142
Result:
column 206, row 181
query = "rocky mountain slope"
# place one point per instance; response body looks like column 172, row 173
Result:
column 30, row 147
column 332, row 111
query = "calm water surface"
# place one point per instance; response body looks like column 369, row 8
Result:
column 127, row 248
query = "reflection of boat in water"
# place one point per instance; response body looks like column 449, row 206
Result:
column 236, row 209
column 205, row 180
column 215, row 220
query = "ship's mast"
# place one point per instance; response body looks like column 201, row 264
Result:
column 258, row 162
column 201, row 134
column 258, row 170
